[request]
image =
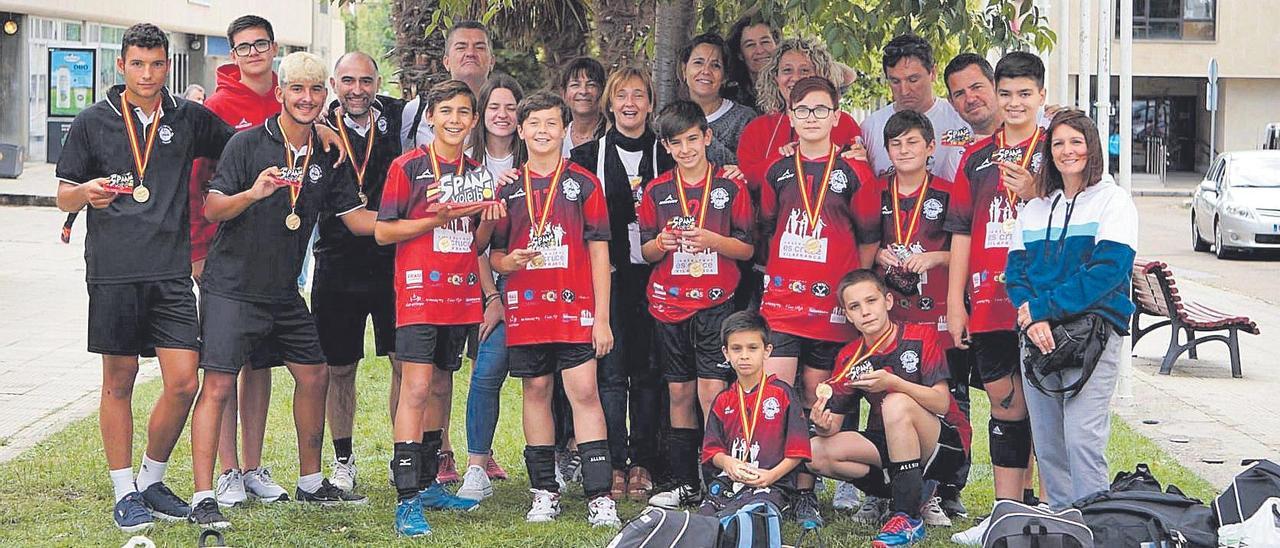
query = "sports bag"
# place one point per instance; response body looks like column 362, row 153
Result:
column 1078, row 344
column 1248, row 490
column 659, row 528
column 1017, row 525
column 754, row 525
column 1132, row 513
column 1261, row 529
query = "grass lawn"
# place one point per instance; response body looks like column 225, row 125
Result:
column 58, row 494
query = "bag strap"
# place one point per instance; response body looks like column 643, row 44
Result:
column 417, row 119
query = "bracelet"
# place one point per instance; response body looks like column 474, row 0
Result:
column 490, row 298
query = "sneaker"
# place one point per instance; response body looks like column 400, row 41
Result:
column 900, row 530
column 409, row 519
column 545, row 507
column 164, row 504
column 676, row 496
column 846, row 497
column 569, row 464
column 952, row 506
column 207, row 515
column 933, row 515
column 436, row 497
column 328, row 495
column 476, row 484
column 344, row 474
column 448, row 471
column 872, row 510
column 602, row 511
column 259, row 485
column 230, row 491
column 973, row 535
column 494, row 471
column 131, row 514
column 806, row 512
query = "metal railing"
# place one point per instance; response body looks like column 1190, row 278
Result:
column 1157, row 158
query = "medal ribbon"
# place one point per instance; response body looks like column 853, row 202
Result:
column 541, row 220
column 915, row 213
column 296, row 189
column 816, row 210
column 858, row 354
column 684, row 202
column 359, row 167
column 140, row 158
column 749, row 428
column 435, row 163
column 1026, row 160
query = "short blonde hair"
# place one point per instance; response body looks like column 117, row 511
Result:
column 619, row 77
column 300, row 66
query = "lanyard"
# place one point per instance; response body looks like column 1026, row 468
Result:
column 905, row 239
column 684, row 201
column 1026, row 160
column 749, row 427
column 859, row 355
column 814, row 210
column 295, row 188
column 541, row 220
column 361, row 167
column 140, row 157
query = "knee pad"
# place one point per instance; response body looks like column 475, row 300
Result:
column 1010, row 442
column 540, row 461
column 597, row 470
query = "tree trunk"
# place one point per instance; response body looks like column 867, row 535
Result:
column 622, row 26
column 674, row 22
column 421, row 56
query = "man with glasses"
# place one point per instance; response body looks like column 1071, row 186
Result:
column 468, row 57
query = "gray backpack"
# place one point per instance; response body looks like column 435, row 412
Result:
column 1016, row 525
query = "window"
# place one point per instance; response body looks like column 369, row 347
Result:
column 1172, row 19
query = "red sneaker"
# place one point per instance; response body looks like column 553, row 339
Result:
column 448, row 472
column 493, row 470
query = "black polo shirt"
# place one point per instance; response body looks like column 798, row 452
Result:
column 344, row 261
column 255, row 257
column 129, row 241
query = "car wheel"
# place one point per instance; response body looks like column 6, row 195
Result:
column 1197, row 243
column 1220, row 249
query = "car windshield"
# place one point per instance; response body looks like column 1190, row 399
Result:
column 1255, row 172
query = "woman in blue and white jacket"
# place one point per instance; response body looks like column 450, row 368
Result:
column 1072, row 253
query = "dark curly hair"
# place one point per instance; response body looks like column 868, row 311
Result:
column 145, row 36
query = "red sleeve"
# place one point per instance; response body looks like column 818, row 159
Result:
column 960, row 205
column 647, row 214
column 713, row 442
column 202, row 229
column 395, row 194
column 847, row 132
column 844, row 400
column 768, row 209
column 797, row 428
column 595, row 213
column 933, row 362
column 753, row 159
column 866, row 205
column 741, row 223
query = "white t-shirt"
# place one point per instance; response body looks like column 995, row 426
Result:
column 946, row 156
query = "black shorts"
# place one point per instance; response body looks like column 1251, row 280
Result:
column 947, row 458
column 530, row 361
column 995, row 354
column 812, row 353
column 340, row 319
column 234, row 330
column 438, row 345
column 690, row 349
column 131, row 319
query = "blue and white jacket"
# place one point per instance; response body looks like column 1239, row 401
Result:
column 1070, row 257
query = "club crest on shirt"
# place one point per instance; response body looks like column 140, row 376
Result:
column 957, row 137
column 165, row 133
column 571, row 190
column 771, row 407
column 910, row 361
column 719, row 198
column 315, row 173
column 839, row 181
column 382, row 125
column 932, row 209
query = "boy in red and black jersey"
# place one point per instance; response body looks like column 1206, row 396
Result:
column 756, row 433
column 995, row 176
column 915, row 429
column 430, row 204
column 694, row 223
column 554, row 247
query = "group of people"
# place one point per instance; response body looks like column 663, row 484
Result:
column 696, row 301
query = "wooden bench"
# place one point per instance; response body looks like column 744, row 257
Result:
column 1155, row 293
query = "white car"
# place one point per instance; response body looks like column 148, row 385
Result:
column 1237, row 205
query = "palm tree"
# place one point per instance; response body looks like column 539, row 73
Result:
column 621, row 29
column 420, row 54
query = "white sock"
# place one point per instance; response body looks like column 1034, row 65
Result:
column 310, row 482
column 199, row 496
column 150, row 472
column 122, row 482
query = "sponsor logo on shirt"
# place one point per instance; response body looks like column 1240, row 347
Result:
column 786, row 175
column 715, row 293
column 413, row 278
column 242, row 124
column 513, row 298
column 668, row 200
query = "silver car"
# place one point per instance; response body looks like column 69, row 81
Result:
column 1237, row 205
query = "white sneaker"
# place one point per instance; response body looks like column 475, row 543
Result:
column 344, row 475
column 230, row 489
column 973, row 536
column 603, row 512
column 846, row 497
column 475, row 484
column 545, row 508
column 676, row 497
column 259, row 485
column 872, row 511
column 933, row 515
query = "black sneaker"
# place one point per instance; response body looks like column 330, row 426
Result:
column 328, row 495
column 164, row 504
column 805, row 510
column 951, row 504
column 207, row 515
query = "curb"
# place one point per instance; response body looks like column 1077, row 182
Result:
column 27, row 200
column 1164, row 192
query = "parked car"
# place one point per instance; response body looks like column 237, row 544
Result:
column 1238, row 204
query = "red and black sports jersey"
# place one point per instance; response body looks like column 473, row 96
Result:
column 929, row 306
column 981, row 208
column 808, row 258
column 780, row 430
column 552, row 300
column 915, row 354
column 684, row 283
column 437, row 277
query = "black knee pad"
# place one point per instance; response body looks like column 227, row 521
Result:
column 1010, row 442
column 540, row 461
column 406, row 466
column 597, row 470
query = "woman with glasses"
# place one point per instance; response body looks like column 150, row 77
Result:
column 702, row 71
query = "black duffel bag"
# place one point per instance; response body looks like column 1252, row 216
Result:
column 1135, row 511
column 1248, row 490
column 1078, row 344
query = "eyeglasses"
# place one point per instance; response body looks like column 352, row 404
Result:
column 245, row 48
column 821, row 112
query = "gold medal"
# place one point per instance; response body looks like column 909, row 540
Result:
column 539, row 229
column 359, row 167
column 858, row 356
column 1009, row 224
column 696, row 269
column 538, row 261
column 823, row 391
column 141, row 194
column 292, row 221
column 811, row 246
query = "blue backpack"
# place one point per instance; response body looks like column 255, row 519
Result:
column 754, row 525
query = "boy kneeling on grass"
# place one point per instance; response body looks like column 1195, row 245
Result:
column 915, row 430
column 756, row 433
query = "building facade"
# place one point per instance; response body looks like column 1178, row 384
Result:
column 39, row 37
